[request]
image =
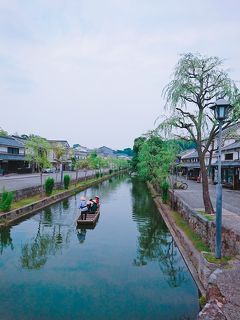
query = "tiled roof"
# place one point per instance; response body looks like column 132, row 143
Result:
column 16, row 157
column 10, row 142
column 191, row 154
column 232, row 146
column 229, row 163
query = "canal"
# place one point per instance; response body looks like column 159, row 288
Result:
column 127, row 267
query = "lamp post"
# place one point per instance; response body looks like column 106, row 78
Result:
column 221, row 109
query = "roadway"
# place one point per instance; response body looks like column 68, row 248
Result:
column 22, row 181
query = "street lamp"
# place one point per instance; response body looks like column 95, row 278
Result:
column 221, row 109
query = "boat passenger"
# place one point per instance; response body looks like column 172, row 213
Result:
column 83, row 207
column 89, row 204
column 97, row 200
column 94, row 206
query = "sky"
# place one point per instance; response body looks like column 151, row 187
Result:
column 92, row 72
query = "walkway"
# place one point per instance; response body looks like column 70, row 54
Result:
column 231, row 202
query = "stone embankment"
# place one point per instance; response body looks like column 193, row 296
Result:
column 220, row 285
column 19, row 214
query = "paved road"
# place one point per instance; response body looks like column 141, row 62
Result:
column 193, row 196
column 17, row 182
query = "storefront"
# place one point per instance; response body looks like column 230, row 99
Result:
column 230, row 174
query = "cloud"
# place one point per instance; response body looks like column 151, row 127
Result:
column 71, row 66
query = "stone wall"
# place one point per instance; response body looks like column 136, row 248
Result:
column 206, row 229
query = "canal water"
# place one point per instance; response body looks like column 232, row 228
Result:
column 127, row 267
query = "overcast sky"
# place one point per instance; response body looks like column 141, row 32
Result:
column 92, row 71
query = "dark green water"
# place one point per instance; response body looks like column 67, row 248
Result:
column 126, row 268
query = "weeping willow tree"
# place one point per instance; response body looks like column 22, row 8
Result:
column 197, row 82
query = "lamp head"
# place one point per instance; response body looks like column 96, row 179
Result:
column 221, row 109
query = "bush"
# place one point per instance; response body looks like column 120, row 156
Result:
column 110, row 171
column 165, row 188
column 101, row 174
column 66, row 181
column 6, row 201
column 97, row 175
column 49, row 185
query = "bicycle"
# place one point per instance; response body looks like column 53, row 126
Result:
column 180, row 185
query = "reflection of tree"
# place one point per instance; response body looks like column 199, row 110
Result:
column 155, row 242
column 47, row 214
column 47, row 242
column 5, row 239
column 107, row 186
column 65, row 204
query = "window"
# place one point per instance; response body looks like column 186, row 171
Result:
column 229, row 156
column 13, row 150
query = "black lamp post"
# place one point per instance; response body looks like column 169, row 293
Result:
column 221, row 109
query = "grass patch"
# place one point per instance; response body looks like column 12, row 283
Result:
column 211, row 258
column 195, row 239
column 25, row 202
column 209, row 217
column 202, row 301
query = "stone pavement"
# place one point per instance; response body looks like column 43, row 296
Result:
column 223, row 295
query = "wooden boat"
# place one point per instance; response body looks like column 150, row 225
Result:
column 91, row 218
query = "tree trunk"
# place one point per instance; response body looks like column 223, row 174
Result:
column 76, row 177
column 205, row 189
column 41, row 178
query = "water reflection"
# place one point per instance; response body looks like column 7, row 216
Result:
column 5, row 239
column 81, row 234
column 154, row 241
column 49, row 240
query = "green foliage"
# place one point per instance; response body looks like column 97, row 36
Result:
column 37, row 151
column 66, row 181
column 6, row 201
column 97, row 175
column 3, row 133
column 49, row 185
column 110, row 171
column 155, row 159
column 165, row 189
column 136, row 148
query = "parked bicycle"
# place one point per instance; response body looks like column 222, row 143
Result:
column 180, row 185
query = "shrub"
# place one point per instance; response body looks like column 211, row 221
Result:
column 97, row 175
column 110, row 171
column 49, row 185
column 6, row 201
column 101, row 174
column 165, row 188
column 66, row 181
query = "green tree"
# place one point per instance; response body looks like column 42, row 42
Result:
column 82, row 164
column 136, row 147
column 156, row 158
column 37, row 149
column 3, row 133
column 58, row 152
column 197, row 82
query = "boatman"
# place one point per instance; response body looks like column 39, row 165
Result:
column 83, row 207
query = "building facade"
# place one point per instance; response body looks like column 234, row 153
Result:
column 12, row 155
